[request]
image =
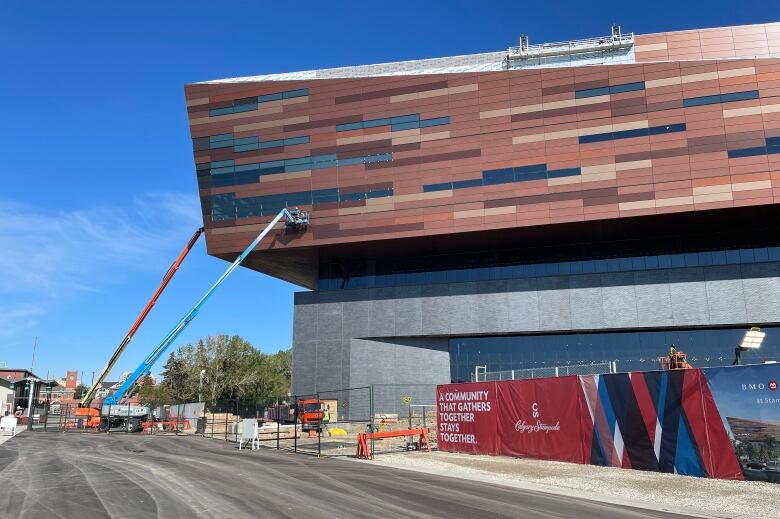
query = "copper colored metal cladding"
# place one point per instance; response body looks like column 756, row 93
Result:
column 692, row 125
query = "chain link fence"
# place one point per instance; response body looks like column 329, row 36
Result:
column 324, row 423
column 482, row 375
column 46, row 414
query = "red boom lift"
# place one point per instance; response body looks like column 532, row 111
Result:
column 93, row 415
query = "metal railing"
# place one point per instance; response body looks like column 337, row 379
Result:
column 482, row 375
column 564, row 48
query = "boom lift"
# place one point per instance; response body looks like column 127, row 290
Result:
column 93, row 415
column 130, row 417
column 89, row 395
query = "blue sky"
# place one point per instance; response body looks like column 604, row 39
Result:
column 98, row 186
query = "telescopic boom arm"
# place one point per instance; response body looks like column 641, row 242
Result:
column 85, row 401
column 295, row 218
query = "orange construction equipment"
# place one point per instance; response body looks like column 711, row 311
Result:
column 310, row 415
column 364, row 450
column 86, row 418
column 675, row 360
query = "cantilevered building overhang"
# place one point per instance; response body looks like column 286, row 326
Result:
column 552, row 177
column 472, row 144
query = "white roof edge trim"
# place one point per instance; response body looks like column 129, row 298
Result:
column 442, row 65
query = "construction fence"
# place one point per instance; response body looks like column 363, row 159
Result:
column 292, row 423
column 324, row 423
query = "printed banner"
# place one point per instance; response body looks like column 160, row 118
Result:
column 466, row 416
column 542, row 418
column 713, row 422
column 748, row 400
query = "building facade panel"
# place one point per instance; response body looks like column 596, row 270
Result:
column 473, row 150
column 680, row 298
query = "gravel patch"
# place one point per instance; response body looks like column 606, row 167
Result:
column 697, row 496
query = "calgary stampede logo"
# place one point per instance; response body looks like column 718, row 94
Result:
column 524, row 427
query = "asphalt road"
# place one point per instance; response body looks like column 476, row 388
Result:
column 89, row 476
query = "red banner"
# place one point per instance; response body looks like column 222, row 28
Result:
column 467, row 417
column 666, row 421
column 542, row 418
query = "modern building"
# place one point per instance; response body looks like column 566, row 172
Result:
column 543, row 205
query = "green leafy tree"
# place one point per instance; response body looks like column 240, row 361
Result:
column 232, row 368
column 153, row 395
column 80, row 391
column 176, row 378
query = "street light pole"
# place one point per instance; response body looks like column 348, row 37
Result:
column 30, row 390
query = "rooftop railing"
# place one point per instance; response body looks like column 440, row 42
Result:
column 565, row 48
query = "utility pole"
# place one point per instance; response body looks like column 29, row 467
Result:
column 35, row 345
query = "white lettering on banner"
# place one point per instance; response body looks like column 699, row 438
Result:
column 463, row 395
column 457, row 408
column 458, row 438
column 523, row 427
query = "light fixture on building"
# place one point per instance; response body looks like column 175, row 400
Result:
column 751, row 341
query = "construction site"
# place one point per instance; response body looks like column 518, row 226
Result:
column 542, row 281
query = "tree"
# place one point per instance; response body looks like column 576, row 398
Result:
column 153, row 395
column 232, row 368
column 176, row 375
column 80, row 391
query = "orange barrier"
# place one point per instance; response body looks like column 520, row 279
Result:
column 364, row 450
column 167, row 425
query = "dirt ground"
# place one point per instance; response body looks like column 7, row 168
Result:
column 736, row 499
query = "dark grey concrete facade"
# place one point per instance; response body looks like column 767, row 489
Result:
column 352, row 338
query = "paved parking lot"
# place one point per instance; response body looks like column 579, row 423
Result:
column 70, row 475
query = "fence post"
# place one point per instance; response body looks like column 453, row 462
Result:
column 371, row 416
column 556, row 371
column 295, row 426
column 278, row 420
column 319, row 429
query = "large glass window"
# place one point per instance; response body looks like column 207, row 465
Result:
column 631, row 350
column 250, row 103
column 335, row 277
